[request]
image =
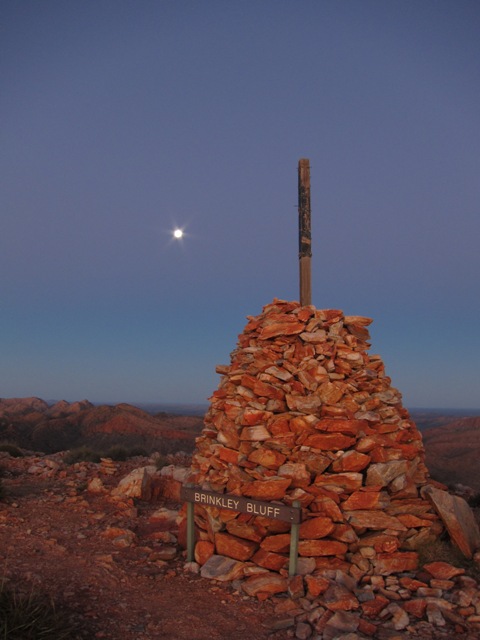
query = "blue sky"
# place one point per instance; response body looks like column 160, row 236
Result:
column 122, row 119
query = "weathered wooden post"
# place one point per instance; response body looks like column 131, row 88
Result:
column 304, row 229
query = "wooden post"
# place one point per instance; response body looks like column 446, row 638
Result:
column 304, row 229
column 294, row 534
column 190, row 530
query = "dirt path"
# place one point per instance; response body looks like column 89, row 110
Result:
column 52, row 537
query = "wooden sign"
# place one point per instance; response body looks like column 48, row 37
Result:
column 272, row 510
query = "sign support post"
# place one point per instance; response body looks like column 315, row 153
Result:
column 190, row 531
column 294, row 534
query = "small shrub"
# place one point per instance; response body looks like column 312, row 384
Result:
column 117, row 452
column 11, row 449
column 31, row 617
column 474, row 501
column 441, row 551
column 137, row 451
column 82, row 454
column 161, row 461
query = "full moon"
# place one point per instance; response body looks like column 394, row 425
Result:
column 178, row 233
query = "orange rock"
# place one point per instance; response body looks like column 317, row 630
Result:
column 316, row 584
column 411, row 521
column 366, row 500
column 443, row 570
column 344, row 533
column 269, row 583
column 373, row 519
column 416, row 607
column 279, row 425
column 298, row 473
column 268, row 458
column 387, row 563
column 329, row 441
column 379, row 454
column 315, row 528
column 299, row 424
column 278, row 543
column 371, row 608
column 411, row 583
column 349, row 481
column 306, row 404
column 248, row 381
column 251, row 416
column 331, row 563
column 233, row 547
column 366, row 444
column 228, row 455
column 339, row 598
column 315, row 462
column 305, row 313
column 272, row 489
column 283, row 443
column 245, row 530
column 327, row 507
column 409, row 451
column 232, row 409
column 286, row 328
column 351, row 461
column 321, row 548
column 268, row 390
column 270, row 560
column 367, row 628
column 386, row 428
column 381, row 542
column 256, row 433
column 296, row 587
column 204, row 549
column 331, row 392
column 355, row 321
column 347, row 427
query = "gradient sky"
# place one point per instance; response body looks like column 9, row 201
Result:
column 122, row 119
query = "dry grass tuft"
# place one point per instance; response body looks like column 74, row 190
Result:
column 31, row 617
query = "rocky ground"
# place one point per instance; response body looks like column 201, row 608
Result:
column 114, row 564
column 102, row 559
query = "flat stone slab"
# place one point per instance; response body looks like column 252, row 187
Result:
column 457, row 517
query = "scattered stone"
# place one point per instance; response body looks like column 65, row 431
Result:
column 221, row 568
column 264, row 584
column 443, row 570
column 138, row 484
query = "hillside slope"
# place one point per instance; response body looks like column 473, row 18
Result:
column 453, row 452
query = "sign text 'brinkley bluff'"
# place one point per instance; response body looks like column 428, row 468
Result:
column 271, row 510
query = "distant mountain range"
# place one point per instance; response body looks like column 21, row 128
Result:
column 34, row 424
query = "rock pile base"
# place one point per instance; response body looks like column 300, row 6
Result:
column 304, row 413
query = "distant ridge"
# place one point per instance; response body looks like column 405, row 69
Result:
column 428, row 418
column 172, row 408
column 34, row 424
column 186, row 409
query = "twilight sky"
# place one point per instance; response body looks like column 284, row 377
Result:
column 122, row 119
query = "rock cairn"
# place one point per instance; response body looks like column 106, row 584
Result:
column 304, row 413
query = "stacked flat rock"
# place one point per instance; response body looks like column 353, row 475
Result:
column 304, row 413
